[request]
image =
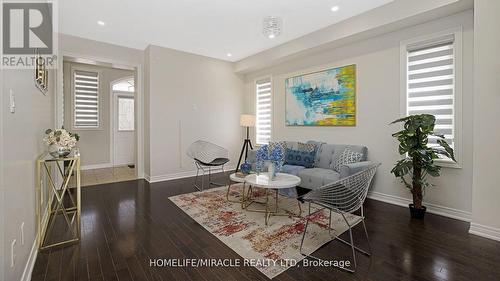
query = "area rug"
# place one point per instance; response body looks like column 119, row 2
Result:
column 272, row 249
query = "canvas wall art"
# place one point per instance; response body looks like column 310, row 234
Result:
column 324, row 98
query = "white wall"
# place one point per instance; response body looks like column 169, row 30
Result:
column 486, row 186
column 2, row 188
column 22, row 134
column 189, row 97
column 378, row 103
column 82, row 48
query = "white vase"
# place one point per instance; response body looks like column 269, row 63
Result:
column 270, row 170
column 58, row 151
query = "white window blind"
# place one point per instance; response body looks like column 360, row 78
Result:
column 86, row 99
column 431, row 84
column 263, row 111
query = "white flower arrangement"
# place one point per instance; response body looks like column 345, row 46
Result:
column 61, row 138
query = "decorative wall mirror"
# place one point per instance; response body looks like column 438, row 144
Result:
column 41, row 73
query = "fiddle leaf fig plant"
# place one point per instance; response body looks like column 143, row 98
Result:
column 418, row 161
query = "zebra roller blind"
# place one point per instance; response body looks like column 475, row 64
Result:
column 86, row 99
column 263, row 111
column 431, row 84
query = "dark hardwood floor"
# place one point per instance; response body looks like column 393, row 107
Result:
column 124, row 224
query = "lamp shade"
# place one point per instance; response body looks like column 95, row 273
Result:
column 247, row 120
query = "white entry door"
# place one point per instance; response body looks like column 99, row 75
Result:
column 123, row 140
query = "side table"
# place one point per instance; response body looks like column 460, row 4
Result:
column 60, row 200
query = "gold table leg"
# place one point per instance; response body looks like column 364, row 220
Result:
column 242, row 201
column 267, row 211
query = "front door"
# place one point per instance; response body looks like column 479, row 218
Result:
column 124, row 143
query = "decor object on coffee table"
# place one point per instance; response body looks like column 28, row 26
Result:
column 207, row 157
column 60, row 142
column 246, row 168
column 343, row 197
column 246, row 120
column 419, row 156
column 271, row 156
column 323, row 98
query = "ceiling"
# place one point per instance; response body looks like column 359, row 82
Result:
column 213, row 28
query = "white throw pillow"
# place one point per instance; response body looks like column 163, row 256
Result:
column 347, row 157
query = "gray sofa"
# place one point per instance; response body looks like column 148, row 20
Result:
column 322, row 173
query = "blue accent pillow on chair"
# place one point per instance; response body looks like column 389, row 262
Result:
column 300, row 158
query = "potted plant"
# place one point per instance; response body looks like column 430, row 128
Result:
column 60, row 142
column 418, row 161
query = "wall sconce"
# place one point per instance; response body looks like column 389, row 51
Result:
column 41, row 74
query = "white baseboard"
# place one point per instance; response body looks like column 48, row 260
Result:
column 96, row 166
column 485, row 231
column 431, row 208
column 30, row 264
column 180, row 175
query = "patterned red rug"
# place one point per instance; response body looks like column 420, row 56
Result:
column 270, row 248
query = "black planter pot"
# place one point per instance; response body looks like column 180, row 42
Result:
column 417, row 213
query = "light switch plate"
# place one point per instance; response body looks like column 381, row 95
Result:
column 12, row 99
column 13, row 253
column 21, row 230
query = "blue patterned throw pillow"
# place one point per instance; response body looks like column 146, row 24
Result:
column 300, row 158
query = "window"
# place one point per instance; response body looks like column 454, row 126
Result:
column 432, row 83
column 125, row 113
column 263, row 111
column 124, row 86
column 86, row 99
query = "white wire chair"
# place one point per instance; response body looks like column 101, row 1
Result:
column 207, row 157
column 343, row 197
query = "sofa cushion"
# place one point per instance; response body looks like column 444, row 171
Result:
column 292, row 169
column 347, row 157
column 300, row 158
column 317, row 177
column 325, row 156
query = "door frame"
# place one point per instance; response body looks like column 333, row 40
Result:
column 113, row 117
column 139, row 96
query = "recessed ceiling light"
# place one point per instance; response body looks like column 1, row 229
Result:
column 101, row 23
column 335, row 8
column 271, row 36
column 229, row 54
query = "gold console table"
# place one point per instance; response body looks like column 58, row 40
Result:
column 62, row 208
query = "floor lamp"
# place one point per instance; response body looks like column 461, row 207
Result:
column 246, row 120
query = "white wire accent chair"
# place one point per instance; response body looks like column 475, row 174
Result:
column 208, row 157
column 344, row 196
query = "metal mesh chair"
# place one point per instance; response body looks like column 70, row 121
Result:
column 207, row 157
column 343, row 197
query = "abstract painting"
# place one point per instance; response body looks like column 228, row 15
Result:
column 324, row 98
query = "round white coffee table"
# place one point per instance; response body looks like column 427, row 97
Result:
column 280, row 181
